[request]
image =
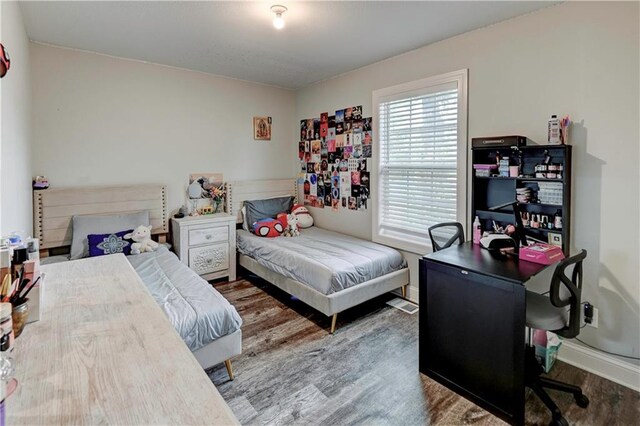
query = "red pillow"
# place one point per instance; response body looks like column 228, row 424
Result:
column 268, row 228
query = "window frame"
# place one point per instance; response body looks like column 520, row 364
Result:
column 408, row 241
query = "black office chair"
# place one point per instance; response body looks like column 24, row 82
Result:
column 448, row 232
column 550, row 313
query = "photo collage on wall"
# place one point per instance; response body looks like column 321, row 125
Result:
column 335, row 160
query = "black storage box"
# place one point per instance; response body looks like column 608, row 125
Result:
column 500, row 141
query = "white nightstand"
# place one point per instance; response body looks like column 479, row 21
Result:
column 207, row 244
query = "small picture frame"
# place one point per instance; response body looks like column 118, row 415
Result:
column 555, row 239
column 262, row 128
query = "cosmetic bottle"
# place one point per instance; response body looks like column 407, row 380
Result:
column 553, row 131
column 477, row 232
column 557, row 220
column 535, row 221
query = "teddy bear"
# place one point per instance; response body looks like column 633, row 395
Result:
column 142, row 241
column 291, row 230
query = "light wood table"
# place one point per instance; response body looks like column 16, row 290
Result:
column 105, row 353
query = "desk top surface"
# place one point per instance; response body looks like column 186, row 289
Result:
column 474, row 258
column 105, row 353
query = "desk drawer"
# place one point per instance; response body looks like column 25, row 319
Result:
column 208, row 259
column 208, row 235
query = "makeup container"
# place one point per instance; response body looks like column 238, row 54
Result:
column 503, row 167
column 5, row 262
column 19, row 316
column 541, row 171
column 544, row 221
column 535, row 221
column 557, row 220
column 20, row 255
column 33, row 248
column 14, row 238
column 6, row 327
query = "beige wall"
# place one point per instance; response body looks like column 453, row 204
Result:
column 580, row 59
column 100, row 120
column 15, row 124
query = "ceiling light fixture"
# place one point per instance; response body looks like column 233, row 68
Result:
column 278, row 21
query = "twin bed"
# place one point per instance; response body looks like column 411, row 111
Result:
column 331, row 272
column 206, row 321
column 328, row 271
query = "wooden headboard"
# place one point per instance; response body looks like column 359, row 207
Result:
column 240, row 191
column 53, row 208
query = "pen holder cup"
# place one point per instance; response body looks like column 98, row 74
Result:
column 19, row 316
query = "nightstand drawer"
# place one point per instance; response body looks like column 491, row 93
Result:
column 208, row 235
column 211, row 258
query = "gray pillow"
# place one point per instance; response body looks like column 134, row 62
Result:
column 262, row 209
column 101, row 224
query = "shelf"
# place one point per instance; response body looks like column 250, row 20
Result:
column 524, row 148
column 543, row 230
column 547, row 146
column 496, row 190
column 495, row 215
column 555, row 206
column 495, row 177
column 522, row 179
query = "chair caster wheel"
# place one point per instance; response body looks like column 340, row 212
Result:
column 560, row 421
column 582, row 401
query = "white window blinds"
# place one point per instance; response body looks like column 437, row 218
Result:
column 418, row 159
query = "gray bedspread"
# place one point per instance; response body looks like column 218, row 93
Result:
column 324, row 260
column 197, row 311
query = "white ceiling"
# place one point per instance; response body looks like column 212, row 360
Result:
column 237, row 39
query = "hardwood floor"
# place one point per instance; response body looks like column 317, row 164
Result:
column 292, row 371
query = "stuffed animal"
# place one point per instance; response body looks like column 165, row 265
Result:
column 282, row 218
column 292, row 226
column 305, row 220
column 142, row 241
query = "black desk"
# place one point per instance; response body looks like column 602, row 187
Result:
column 472, row 326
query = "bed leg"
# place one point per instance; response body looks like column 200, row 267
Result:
column 403, row 289
column 334, row 318
column 227, row 364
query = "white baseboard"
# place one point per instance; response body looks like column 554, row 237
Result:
column 412, row 294
column 601, row 364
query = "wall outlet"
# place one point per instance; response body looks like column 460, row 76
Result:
column 594, row 319
column 594, row 322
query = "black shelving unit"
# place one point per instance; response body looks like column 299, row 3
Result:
column 496, row 190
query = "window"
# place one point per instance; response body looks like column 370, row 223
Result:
column 420, row 161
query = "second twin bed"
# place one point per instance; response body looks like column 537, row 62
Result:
column 329, row 271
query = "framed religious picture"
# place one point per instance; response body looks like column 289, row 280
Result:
column 262, row 128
